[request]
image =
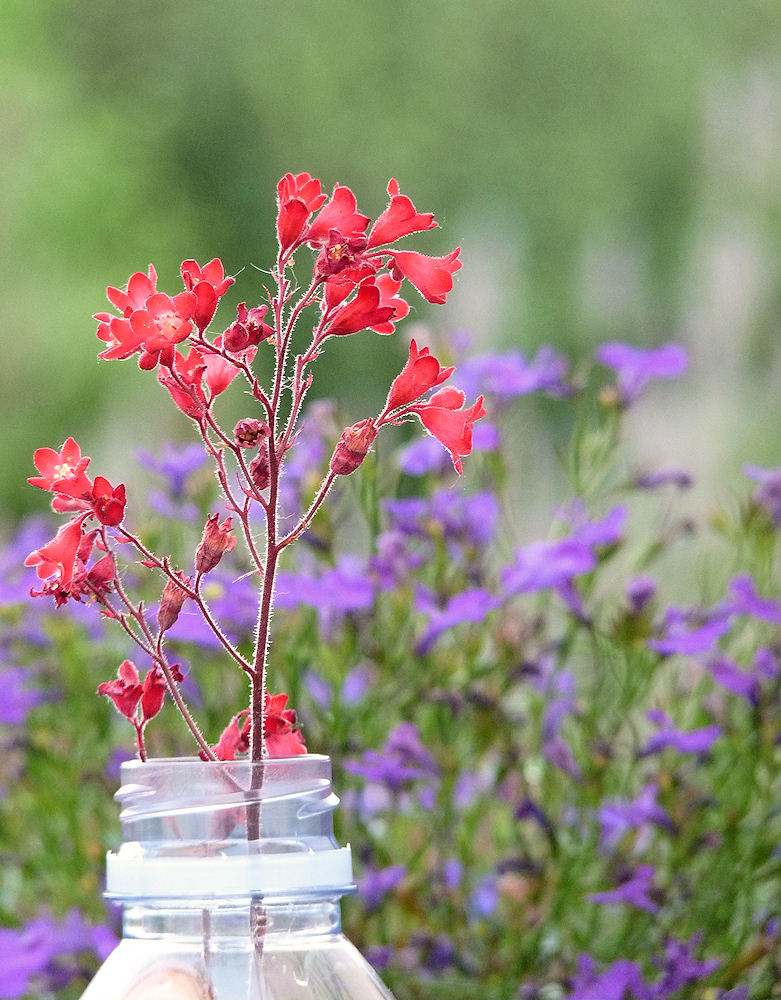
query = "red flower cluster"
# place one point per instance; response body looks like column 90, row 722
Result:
column 282, row 738
column 349, row 258
column 62, row 562
column 129, row 694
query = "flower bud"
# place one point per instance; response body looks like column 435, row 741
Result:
column 260, row 470
column 217, row 538
column 153, row 695
column 249, row 432
column 171, row 603
column 353, row 447
column 248, row 330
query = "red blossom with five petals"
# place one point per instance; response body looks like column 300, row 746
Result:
column 139, row 288
column 58, row 557
column 399, row 219
column 443, row 417
column 125, row 691
column 365, row 311
column 62, row 471
column 208, row 284
column 298, row 197
column 432, row 276
column 421, row 373
column 164, row 322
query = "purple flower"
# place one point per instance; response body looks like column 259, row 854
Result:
column 639, row 592
column 356, row 685
column 423, row 456
column 469, row 519
column 768, row 495
column 484, row 898
column 737, row 681
column 469, row 606
column 558, row 752
column 16, row 699
column 680, row 968
column 378, row 882
column 681, row 636
column 452, row 873
column 746, row 601
column 594, row 534
column 335, row 592
column 547, row 564
column 692, row 741
column 319, row 690
column 635, row 366
column 633, row 891
column 402, row 759
column 618, row 816
column 679, row 478
column 620, row 980
column 509, row 375
column 176, row 464
column 379, row 956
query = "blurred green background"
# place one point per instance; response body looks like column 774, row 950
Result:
column 611, row 170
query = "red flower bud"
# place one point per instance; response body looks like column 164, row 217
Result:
column 249, row 432
column 153, row 692
column 171, row 603
column 260, row 470
column 217, row 538
column 248, row 330
column 353, row 447
column 125, row 691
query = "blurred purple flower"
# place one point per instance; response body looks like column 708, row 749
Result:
column 639, row 592
column 730, row 676
column 174, row 510
column 635, row 366
column 333, row 593
column 379, row 956
column 634, row 891
column 618, row 816
column 16, row 699
column 544, row 564
column 620, row 980
column 680, row 968
column 452, row 873
column 558, row 752
column 692, row 741
column 562, row 701
column 395, row 560
column 510, row 375
column 176, row 464
column 593, row 534
column 682, row 636
column 356, row 685
column 768, row 495
column 679, row 478
column 746, row 601
column 484, row 898
column 469, row 606
column 467, row 518
column 378, row 882
column 318, row 689
column 767, row 663
column 402, row 759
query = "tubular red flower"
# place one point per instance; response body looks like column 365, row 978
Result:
column 444, row 418
column 184, row 382
column 360, row 313
column 59, row 555
column 153, row 691
column 399, row 219
column 340, row 213
column 421, row 373
column 297, row 198
column 125, row 691
column 208, row 284
column 432, row 276
column 163, row 322
column 108, row 502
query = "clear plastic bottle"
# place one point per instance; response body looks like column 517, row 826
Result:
column 230, row 879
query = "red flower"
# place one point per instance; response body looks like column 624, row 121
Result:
column 248, row 329
column 153, row 692
column 352, row 447
column 421, row 373
column 161, row 324
column 389, row 288
column 339, row 214
column 432, row 276
column 297, row 198
column 217, row 538
column 59, row 555
column 444, row 417
column 126, row 691
column 139, row 288
column 62, row 471
column 363, row 312
column 208, row 284
column 120, row 338
column 108, row 502
column 399, row 219
column 184, row 382
column 282, row 740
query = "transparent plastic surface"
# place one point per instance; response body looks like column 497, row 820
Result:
column 230, row 879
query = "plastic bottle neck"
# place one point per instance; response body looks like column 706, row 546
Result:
column 285, row 922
